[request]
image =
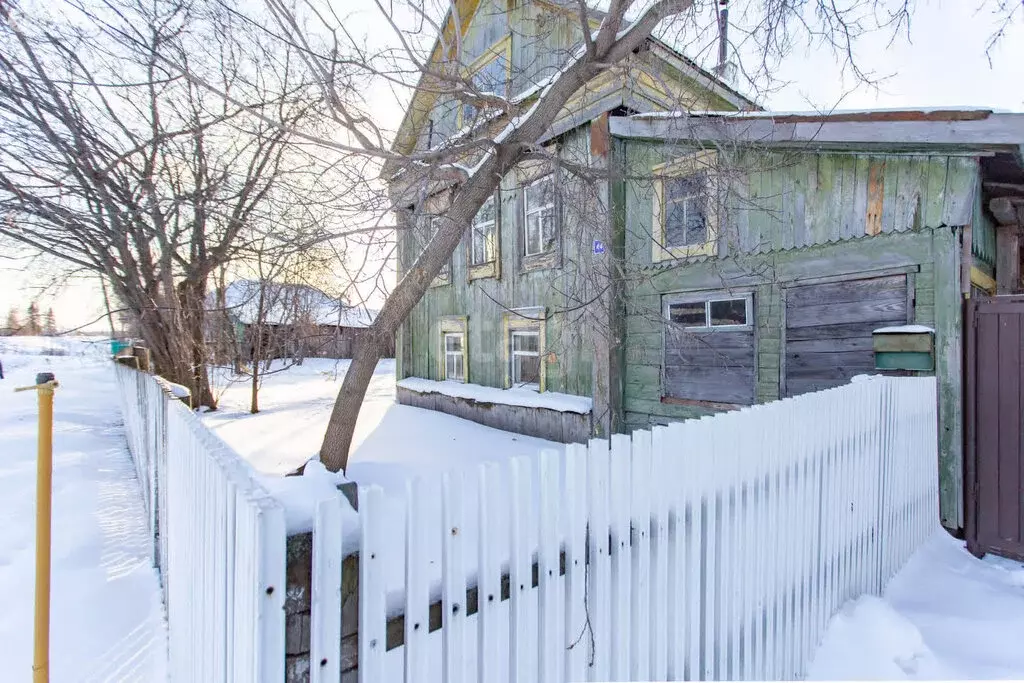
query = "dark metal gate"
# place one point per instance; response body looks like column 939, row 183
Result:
column 994, row 421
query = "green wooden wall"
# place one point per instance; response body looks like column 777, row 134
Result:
column 791, row 217
column 562, row 290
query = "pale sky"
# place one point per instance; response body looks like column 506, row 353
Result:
column 944, row 65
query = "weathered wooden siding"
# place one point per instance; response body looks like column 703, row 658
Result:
column 766, row 276
column 542, row 41
column 781, row 200
column 797, row 222
column 561, row 290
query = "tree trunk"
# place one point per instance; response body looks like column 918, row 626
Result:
column 611, row 47
column 192, row 300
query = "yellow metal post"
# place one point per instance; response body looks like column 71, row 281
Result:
column 45, row 384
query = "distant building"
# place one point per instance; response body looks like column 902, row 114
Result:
column 252, row 319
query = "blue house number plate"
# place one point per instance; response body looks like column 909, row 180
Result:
column 598, row 247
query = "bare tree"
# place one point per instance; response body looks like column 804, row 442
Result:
column 118, row 166
column 503, row 131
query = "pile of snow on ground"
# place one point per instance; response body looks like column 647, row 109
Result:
column 946, row 615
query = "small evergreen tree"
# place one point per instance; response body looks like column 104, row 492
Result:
column 32, row 326
column 50, row 324
column 13, row 324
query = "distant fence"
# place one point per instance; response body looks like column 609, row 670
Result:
column 712, row 549
column 219, row 541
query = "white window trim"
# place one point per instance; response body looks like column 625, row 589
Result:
column 528, row 211
column 703, row 161
column 513, row 354
column 461, row 354
column 707, row 299
column 477, row 227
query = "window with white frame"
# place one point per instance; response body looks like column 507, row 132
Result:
column 711, row 313
column 686, row 223
column 484, row 234
column 541, row 229
column 524, row 358
column 455, row 356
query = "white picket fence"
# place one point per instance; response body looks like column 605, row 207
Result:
column 711, row 549
column 220, row 541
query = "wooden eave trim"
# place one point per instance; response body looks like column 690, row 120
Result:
column 996, row 131
column 703, row 78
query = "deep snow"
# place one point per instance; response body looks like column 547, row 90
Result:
column 945, row 615
column 107, row 620
column 394, row 444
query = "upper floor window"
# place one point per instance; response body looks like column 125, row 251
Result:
column 489, row 75
column 539, row 216
column 482, row 243
column 685, row 219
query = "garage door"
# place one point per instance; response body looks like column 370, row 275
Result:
column 828, row 329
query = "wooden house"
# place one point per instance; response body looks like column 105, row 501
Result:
column 267, row 320
column 723, row 258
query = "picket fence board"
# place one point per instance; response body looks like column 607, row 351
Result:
column 372, row 586
column 488, row 581
column 453, row 583
column 417, row 583
column 325, row 600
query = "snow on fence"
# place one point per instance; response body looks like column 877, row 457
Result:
column 219, row 540
column 710, row 549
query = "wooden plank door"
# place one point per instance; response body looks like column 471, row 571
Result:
column 828, row 329
column 995, row 466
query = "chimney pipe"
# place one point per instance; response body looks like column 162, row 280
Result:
column 723, row 37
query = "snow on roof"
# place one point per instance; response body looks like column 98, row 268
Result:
column 287, row 304
column 526, row 398
column 881, row 114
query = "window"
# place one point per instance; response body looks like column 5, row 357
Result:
column 454, row 356
column 482, row 241
column 489, row 74
column 525, row 364
column 709, row 349
column 685, row 212
column 525, row 369
column 711, row 313
column 539, row 216
column 685, row 219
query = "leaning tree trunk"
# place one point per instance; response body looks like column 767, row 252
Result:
column 611, row 47
column 338, row 438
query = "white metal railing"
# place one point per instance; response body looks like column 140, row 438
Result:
column 710, row 549
column 219, row 541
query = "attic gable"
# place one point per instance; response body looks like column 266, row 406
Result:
column 508, row 46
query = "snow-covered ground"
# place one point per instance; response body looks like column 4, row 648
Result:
column 107, row 620
column 946, row 615
column 394, row 444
